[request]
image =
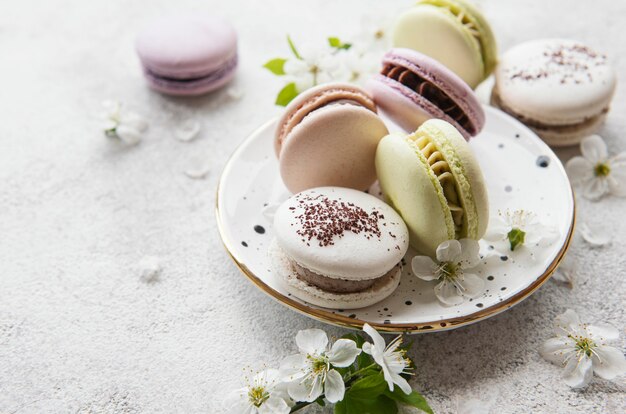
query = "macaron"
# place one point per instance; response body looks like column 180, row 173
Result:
column 559, row 88
column 338, row 247
column 453, row 32
column 433, row 180
column 189, row 54
column 412, row 88
column 327, row 136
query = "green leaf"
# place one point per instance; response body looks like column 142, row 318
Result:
column 381, row 404
column 368, row 386
column 414, row 399
column 293, row 48
column 516, row 237
column 286, row 94
column 276, row 66
column 337, row 44
column 320, row 402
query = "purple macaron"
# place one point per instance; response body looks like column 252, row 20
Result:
column 412, row 88
column 188, row 54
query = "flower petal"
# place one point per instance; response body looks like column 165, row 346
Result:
column 343, row 353
column 595, row 188
column 400, row 382
column 306, row 390
column 334, row 388
column 293, row 367
column 594, row 149
column 594, row 236
column 187, row 131
column 498, row 228
column 448, row 294
column 274, row 405
column 449, row 251
column 470, row 256
column 312, row 341
column 473, row 285
column 567, row 323
column 129, row 135
column 602, row 333
column 379, row 341
column 555, row 350
column 424, row 268
column 579, row 170
column 578, row 373
column 617, row 179
column 566, row 272
column 608, row 362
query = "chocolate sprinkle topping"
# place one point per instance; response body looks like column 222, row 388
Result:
column 569, row 64
column 323, row 219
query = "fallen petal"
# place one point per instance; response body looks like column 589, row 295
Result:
column 150, row 269
column 198, row 173
column 187, row 131
column 594, row 236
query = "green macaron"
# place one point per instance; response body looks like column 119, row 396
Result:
column 453, row 32
column 433, row 180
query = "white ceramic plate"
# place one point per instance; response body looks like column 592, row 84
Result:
column 521, row 173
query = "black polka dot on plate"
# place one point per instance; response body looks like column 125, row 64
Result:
column 244, row 244
column 504, row 258
column 408, row 303
column 543, row 161
column 352, row 316
column 516, row 135
column 386, row 321
column 490, row 278
column 501, row 146
column 479, row 305
column 508, row 188
column 503, row 288
column 259, row 229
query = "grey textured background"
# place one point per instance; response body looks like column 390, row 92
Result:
column 80, row 332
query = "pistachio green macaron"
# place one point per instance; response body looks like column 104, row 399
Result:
column 432, row 178
column 453, row 32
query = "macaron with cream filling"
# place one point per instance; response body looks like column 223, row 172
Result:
column 559, row 88
column 338, row 247
column 432, row 178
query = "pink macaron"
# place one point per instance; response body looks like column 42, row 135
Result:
column 412, row 88
column 188, row 54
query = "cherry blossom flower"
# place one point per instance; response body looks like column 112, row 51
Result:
column 452, row 270
column 521, row 228
column 596, row 172
column 311, row 373
column 264, row 395
column 582, row 350
column 392, row 360
column 127, row 126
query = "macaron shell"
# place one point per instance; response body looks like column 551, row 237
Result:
column 470, row 12
column 352, row 256
column 467, row 173
column 439, row 35
column 530, row 84
column 314, row 98
column 412, row 189
column 316, row 296
column 194, row 87
column 333, row 146
column 186, row 45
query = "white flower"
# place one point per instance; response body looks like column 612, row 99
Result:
column 596, row 172
column 520, row 228
column 455, row 258
column 357, row 67
column 374, row 34
column 318, row 65
column 391, row 360
column 582, row 350
column 265, row 395
column 127, row 126
column 310, row 373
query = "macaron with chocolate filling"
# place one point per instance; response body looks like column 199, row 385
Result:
column 412, row 88
column 338, row 248
column 327, row 136
column 434, row 181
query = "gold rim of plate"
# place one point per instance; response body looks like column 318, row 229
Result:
column 346, row 322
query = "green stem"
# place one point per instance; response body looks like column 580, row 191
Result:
column 299, row 406
column 355, row 373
